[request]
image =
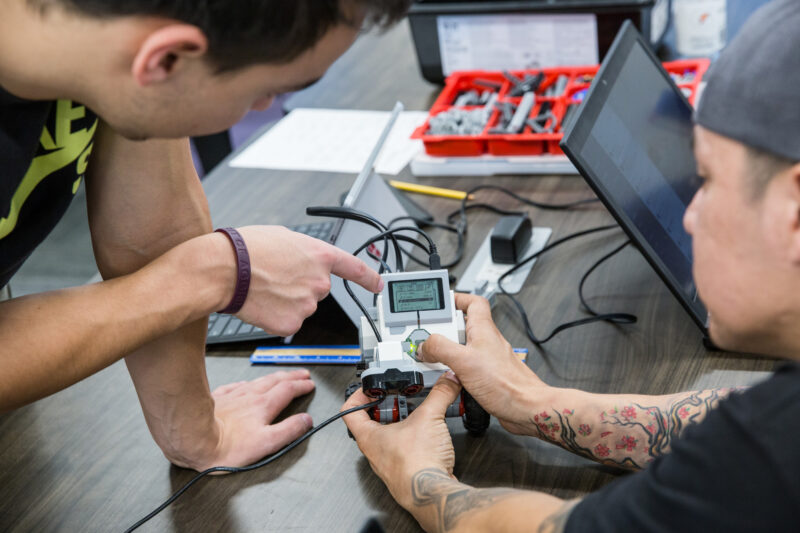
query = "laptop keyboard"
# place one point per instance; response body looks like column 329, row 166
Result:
column 228, row 328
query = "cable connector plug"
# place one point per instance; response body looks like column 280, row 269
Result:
column 461, row 226
column 434, row 261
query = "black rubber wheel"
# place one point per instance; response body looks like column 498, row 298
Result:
column 353, row 387
column 476, row 419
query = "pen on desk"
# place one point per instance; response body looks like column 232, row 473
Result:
column 432, row 191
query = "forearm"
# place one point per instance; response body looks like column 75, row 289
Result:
column 52, row 340
column 169, row 374
column 627, row 431
column 441, row 503
column 155, row 203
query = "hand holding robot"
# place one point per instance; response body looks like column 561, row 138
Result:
column 411, row 307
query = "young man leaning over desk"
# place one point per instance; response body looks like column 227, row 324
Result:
column 110, row 90
column 710, row 460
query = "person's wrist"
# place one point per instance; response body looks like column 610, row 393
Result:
column 424, row 509
column 220, row 270
column 207, row 266
column 400, row 476
column 243, row 274
column 532, row 398
column 194, row 443
column 200, row 273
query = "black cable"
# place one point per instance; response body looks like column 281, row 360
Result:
column 405, row 238
column 384, row 267
column 488, row 207
column 462, row 211
column 459, row 254
column 617, row 318
column 378, row 336
column 263, row 462
column 460, row 228
column 410, row 240
column 359, row 216
column 395, row 231
column 594, row 267
column 526, row 201
column 552, row 245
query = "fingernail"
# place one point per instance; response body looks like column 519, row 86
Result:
column 308, row 420
column 420, row 353
column 452, row 377
column 380, row 285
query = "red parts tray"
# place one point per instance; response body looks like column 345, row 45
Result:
column 556, row 89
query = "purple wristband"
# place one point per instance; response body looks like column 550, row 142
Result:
column 243, row 271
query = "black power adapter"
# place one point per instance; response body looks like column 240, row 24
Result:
column 510, row 238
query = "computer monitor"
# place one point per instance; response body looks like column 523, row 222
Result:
column 632, row 142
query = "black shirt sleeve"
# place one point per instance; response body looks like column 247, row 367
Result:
column 739, row 470
column 44, row 152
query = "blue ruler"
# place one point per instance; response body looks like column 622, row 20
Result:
column 309, row 355
column 321, row 355
column 522, row 353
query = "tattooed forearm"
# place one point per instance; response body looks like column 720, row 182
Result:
column 562, row 433
column 628, row 434
column 451, row 498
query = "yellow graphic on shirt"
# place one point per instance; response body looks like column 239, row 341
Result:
column 63, row 149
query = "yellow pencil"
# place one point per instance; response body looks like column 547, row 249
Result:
column 426, row 189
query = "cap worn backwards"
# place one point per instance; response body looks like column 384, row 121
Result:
column 753, row 91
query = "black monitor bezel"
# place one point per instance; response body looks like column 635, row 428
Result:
column 577, row 133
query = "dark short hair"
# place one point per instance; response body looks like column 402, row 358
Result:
column 763, row 166
column 247, row 32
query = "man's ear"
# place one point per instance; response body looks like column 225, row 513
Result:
column 162, row 50
column 794, row 196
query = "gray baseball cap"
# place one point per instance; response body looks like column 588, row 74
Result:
column 753, row 91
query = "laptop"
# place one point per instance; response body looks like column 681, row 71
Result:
column 376, row 198
column 632, row 142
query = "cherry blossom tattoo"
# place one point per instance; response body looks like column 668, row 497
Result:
column 629, row 435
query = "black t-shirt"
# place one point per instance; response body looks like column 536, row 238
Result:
column 739, row 470
column 44, row 151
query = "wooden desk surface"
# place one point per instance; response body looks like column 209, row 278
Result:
column 83, row 460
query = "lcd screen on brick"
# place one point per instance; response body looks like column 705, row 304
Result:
column 416, row 295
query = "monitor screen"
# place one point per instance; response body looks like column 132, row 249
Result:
column 416, row 295
column 632, row 140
